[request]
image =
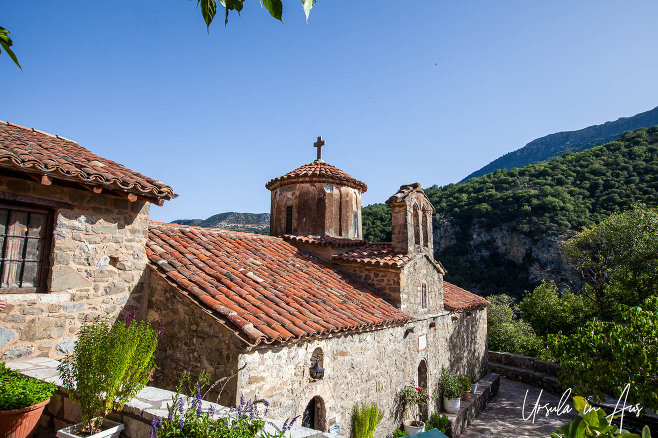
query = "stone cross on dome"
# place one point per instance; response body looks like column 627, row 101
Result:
column 318, row 144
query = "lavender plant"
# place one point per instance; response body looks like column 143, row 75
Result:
column 187, row 417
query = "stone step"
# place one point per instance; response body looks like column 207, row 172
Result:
column 538, row 380
column 469, row 409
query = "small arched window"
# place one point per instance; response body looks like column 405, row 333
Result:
column 426, row 235
column 289, row 219
column 423, row 296
column 416, row 225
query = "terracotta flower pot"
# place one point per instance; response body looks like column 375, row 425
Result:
column 466, row 395
column 21, row 423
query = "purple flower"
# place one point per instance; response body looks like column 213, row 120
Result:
column 180, row 424
column 170, row 417
column 198, row 410
column 198, row 392
column 211, row 411
column 180, row 405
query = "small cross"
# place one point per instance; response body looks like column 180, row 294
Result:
column 318, row 144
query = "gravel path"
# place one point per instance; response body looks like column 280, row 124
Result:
column 503, row 416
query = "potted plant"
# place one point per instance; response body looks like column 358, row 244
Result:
column 466, row 387
column 415, row 396
column 451, row 390
column 110, row 364
column 22, row 400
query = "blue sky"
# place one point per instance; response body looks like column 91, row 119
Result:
column 423, row 91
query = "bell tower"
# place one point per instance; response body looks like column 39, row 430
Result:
column 411, row 212
column 316, row 199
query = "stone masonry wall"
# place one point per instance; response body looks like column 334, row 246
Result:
column 385, row 282
column 370, row 366
column 96, row 267
column 414, row 274
column 192, row 339
column 468, row 343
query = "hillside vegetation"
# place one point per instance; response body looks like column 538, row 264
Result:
column 499, row 233
column 554, row 145
column 249, row 222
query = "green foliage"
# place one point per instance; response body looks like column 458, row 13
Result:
column 417, row 396
column 549, row 310
column 187, row 418
column 365, row 420
column 6, row 43
column 449, row 384
column 465, row 382
column 592, row 422
column 508, row 333
column 274, row 7
column 605, row 356
column 397, row 433
column 18, row 391
column 376, row 219
column 617, row 259
column 111, row 364
column 438, row 421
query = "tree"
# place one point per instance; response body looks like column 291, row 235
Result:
column 603, row 357
column 506, row 332
column 617, row 259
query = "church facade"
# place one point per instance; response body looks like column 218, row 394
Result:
column 271, row 311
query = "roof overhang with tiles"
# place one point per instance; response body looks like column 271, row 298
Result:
column 262, row 288
column 457, row 299
column 317, row 171
column 49, row 158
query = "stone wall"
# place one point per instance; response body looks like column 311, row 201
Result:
column 192, row 340
column 96, row 267
column 414, row 274
column 468, row 343
column 385, row 282
column 370, row 366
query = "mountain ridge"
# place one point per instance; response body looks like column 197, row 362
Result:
column 554, row 145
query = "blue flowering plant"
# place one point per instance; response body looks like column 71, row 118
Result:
column 187, row 417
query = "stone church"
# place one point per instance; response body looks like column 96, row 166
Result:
column 270, row 310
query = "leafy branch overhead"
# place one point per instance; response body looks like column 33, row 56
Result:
column 6, row 43
column 275, row 7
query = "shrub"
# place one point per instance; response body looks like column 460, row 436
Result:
column 438, row 421
column 365, row 420
column 399, row 433
column 549, row 310
column 449, row 384
column 18, row 391
column 111, row 364
column 465, row 383
column 186, row 417
column 507, row 333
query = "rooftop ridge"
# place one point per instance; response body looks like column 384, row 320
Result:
column 38, row 130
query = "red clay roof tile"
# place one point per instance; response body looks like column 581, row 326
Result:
column 324, row 240
column 268, row 290
column 377, row 254
column 455, row 298
column 317, row 171
column 33, row 151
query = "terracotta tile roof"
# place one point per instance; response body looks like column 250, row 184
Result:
column 263, row 288
column 32, row 151
column 317, row 171
column 378, row 254
column 324, row 240
column 455, row 298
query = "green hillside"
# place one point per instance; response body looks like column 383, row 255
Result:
column 497, row 233
column 554, row 145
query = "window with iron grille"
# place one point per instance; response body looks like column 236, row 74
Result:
column 24, row 247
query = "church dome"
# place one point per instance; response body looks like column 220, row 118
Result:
column 317, row 171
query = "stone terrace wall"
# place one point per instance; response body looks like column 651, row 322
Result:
column 96, row 267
